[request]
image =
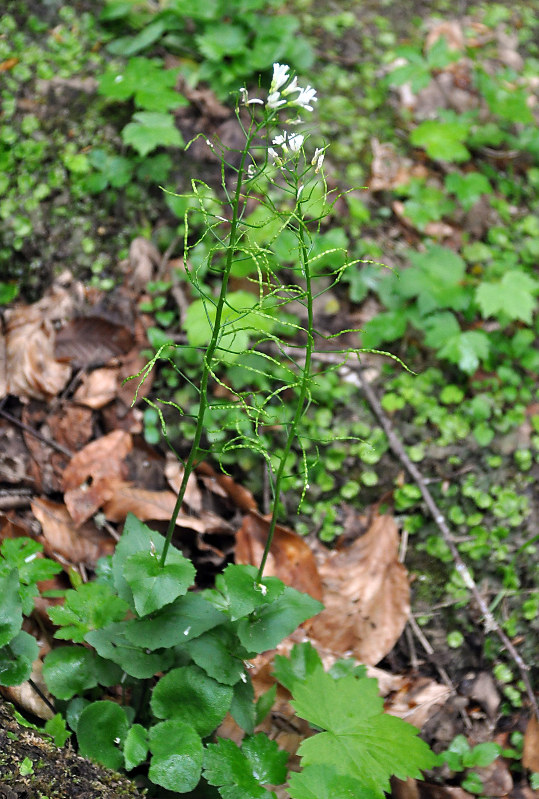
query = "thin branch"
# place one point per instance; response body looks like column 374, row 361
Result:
column 489, row 622
column 48, row 441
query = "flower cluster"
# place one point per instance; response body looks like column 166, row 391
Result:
column 282, row 90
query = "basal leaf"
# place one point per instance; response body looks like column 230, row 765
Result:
column 101, row 733
column 218, row 652
column 184, row 619
column 17, row 658
column 91, row 607
column 154, row 585
column 112, row 644
column 69, row 670
column 241, row 591
column 442, row 140
column 466, row 349
column 177, row 754
column 267, row 626
column 135, row 746
column 10, row 607
column 361, row 741
column 242, row 708
column 189, row 695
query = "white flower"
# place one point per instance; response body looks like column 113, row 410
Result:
column 251, row 170
column 300, row 189
column 281, row 139
column 280, row 76
column 305, row 98
column 295, row 141
column 292, row 87
column 273, row 154
column 245, row 98
column 274, row 100
column 318, row 159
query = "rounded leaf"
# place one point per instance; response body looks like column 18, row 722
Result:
column 101, row 733
column 17, row 658
column 188, row 694
column 177, row 754
column 69, row 670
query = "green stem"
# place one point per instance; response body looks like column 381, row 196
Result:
column 302, row 394
column 194, row 452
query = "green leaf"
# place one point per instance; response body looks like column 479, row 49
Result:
column 222, row 40
column 435, row 279
column 113, row 644
column 242, row 707
column 189, row 695
column 466, row 350
column 135, row 746
column 219, row 654
column 17, row 658
column 185, row 619
column 361, row 741
column 243, row 772
column 439, row 327
column 268, row 625
column 468, row 188
column 69, row 670
column 101, row 733
column 56, row 728
column 138, row 538
column 303, row 661
column 481, row 755
column 154, row 585
column 151, row 85
column 10, row 607
column 150, row 130
column 442, row 140
column 131, row 45
column 386, row 326
column 512, row 297
column 264, row 704
column 91, row 607
column 323, row 782
column 176, row 762
column 242, row 593
column 8, row 291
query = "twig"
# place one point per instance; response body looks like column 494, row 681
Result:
column 490, row 623
column 48, row 441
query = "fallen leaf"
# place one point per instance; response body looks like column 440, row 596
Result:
column 91, row 341
column 89, row 475
column 144, row 258
column 496, row 778
column 530, row 753
column 98, row 388
column 63, row 538
column 430, row 791
column 404, row 789
column 225, row 486
column 174, row 474
column 418, row 701
column 290, row 558
column 146, row 505
column 31, row 369
column 366, row 595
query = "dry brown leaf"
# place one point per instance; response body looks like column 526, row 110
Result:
column 92, row 341
column 389, row 169
column 146, row 505
column 174, row 474
column 90, row 473
column 223, row 485
column 31, row 369
column 366, row 595
column 98, row 388
column 62, row 538
column 404, row 789
column 530, row 753
column 418, row 701
column 290, row 558
column 452, row 32
column 496, row 778
column 144, row 259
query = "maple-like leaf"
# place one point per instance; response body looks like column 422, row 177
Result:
column 359, row 741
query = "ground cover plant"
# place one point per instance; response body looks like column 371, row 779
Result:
column 450, row 206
